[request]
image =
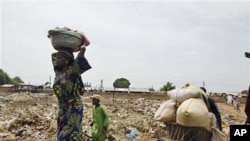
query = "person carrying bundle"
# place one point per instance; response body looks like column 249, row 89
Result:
column 68, row 87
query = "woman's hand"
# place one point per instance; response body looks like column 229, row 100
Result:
column 81, row 52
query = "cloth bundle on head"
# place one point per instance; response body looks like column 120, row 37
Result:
column 85, row 40
column 66, row 54
column 96, row 96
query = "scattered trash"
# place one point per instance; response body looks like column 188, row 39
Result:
column 33, row 117
column 132, row 132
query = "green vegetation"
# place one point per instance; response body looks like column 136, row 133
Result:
column 121, row 83
column 5, row 79
column 151, row 89
column 244, row 92
column 167, row 87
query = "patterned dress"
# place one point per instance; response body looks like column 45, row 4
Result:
column 67, row 87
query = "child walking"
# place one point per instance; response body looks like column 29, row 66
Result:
column 100, row 120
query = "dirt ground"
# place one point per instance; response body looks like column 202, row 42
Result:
column 32, row 117
column 226, row 110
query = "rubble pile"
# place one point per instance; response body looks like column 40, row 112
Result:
column 32, row 117
column 27, row 116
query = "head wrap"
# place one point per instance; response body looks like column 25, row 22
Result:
column 66, row 54
column 96, row 96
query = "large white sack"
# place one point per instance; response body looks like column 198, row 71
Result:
column 202, row 93
column 218, row 135
column 196, row 88
column 193, row 113
column 183, row 94
column 166, row 112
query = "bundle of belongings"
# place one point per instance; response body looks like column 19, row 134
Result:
column 189, row 107
column 67, row 39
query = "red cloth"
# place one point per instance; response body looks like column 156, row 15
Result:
column 85, row 40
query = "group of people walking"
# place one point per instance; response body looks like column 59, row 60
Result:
column 232, row 101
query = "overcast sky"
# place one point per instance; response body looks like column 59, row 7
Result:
column 148, row 42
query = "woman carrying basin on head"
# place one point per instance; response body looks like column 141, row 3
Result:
column 68, row 89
